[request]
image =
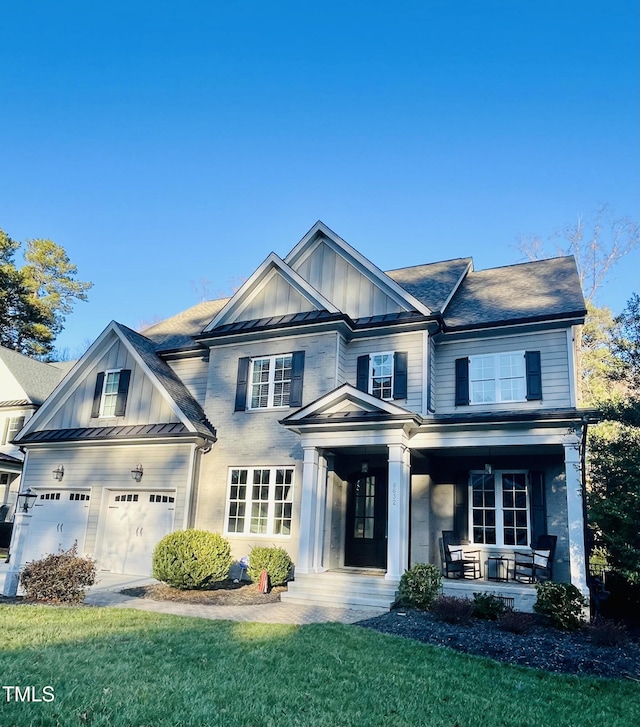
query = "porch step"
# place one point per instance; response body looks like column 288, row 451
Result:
column 342, row 588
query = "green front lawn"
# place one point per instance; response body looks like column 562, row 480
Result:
column 123, row 667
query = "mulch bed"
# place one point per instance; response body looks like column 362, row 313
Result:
column 542, row 647
column 226, row 593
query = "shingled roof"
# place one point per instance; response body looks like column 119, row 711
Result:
column 433, row 283
column 533, row 291
column 177, row 331
column 169, row 380
column 37, row 379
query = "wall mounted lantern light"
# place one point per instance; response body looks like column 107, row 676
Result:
column 136, row 474
column 58, row 473
column 26, row 500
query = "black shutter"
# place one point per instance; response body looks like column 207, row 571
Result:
column 123, row 390
column 534, row 375
column 297, row 375
column 362, row 378
column 538, row 506
column 241, row 386
column 462, row 382
column 461, row 510
column 400, row 375
column 97, row 395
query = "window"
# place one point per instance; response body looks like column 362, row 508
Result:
column 260, row 500
column 383, row 375
column 110, row 394
column 496, row 378
column 270, row 382
column 499, row 508
column 11, row 429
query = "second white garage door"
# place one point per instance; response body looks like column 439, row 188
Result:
column 135, row 522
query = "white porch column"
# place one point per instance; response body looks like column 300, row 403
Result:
column 308, row 508
column 575, row 516
column 19, row 538
column 320, row 514
column 398, row 511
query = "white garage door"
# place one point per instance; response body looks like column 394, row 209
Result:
column 135, row 522
column 58, row 519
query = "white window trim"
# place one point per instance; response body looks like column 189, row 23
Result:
column 497, row 399
column 393, row 372
column 271, row 502
column 11, row 432
column 497, row 484
column 270, row 384
column 104, row 393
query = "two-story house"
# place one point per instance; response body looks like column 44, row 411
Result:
column 24, row 385
column 346, row 414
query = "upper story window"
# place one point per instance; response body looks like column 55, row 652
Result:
column 383, row 375
column 270, row 382
column 496, row 378
column 260, row 500
column 11, row 428
column 110, row 394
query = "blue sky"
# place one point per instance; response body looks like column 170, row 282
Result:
column 163, row 143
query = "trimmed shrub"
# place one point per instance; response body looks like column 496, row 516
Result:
column 516, row 622
column 488, row 606
column 192, row 559
column 419, row 586
column 452, row 610
column 562, row 603
column 605, row 632
column 275, row 561
column 59, row 578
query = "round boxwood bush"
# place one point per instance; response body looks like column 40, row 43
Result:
column 275, row 561
column 562, row 603
column 419, row 586
column 191, row 559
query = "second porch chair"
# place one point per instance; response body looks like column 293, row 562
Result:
column 536, row 564
column 459, row 562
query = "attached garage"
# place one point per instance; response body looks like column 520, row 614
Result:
column 135, row 521
column 58, row 520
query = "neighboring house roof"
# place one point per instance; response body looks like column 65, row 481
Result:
column 8, row 459
column 170, row 381
column 177, row 331
column 433, row 283
column 533, row 291
column 37, row 379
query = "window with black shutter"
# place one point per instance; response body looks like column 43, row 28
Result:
column 110, row 393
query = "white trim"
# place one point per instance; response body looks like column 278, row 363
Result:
column 571, row 361
column 497, row 379
column 370, row 376
column 106, row 373
column 251, row 287
column 467, row 270
column 270, row 383
column 426, row 365
column 248, row 500
column 499, row 508
column 307, row 244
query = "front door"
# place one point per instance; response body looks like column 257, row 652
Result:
column 366, row 542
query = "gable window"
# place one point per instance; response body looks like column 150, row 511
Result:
column 260, row 500
column 383, row 375
column 499, row 508
column 270, row 382
column 497, row 378
column 110, row 394
column 11, row 428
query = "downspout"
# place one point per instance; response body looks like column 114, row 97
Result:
column 192, row 494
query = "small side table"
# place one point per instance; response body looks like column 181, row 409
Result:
column 498, row 568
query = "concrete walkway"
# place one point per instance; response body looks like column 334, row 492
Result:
column 106, row 592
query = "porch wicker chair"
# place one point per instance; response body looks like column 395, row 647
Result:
column 459, row 562
column 536, row 564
